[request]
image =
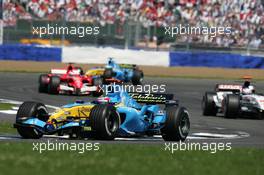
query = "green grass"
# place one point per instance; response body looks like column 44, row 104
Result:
column 6, row 106
column 19, row 158
column 7, row 128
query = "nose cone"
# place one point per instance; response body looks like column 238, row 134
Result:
column 78, row 82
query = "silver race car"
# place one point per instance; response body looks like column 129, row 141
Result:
column 233, row 101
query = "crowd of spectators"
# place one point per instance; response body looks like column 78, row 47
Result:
column 245, row 17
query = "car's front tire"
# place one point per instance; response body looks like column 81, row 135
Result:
column 97, row 81
column 177, row 124
column 104, row 121
column 208, row 105
column 28, row 110
column 231, row 106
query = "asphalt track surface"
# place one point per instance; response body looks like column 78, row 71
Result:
column 24, row 87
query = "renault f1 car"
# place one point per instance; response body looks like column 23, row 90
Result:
column 229, row 100
column 69, row 81
column 118, row 73
column 119, row 114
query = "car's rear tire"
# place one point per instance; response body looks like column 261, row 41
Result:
column 54, row 85
column 108, row 73
column 177, row 124
column 43, row 85
column 105, row 122
column 28, row 110
column 208, row 105
column 231, row 106
column 137, row 77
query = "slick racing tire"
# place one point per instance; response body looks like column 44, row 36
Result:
column 137, row 77
column 231, row 106
column 43, row 85
column 28, row 110
column 208, row 105
column 97, row 93
column 177, row 124
column 108, row 73
column 54, row 85
column 105, row 122
column 97, row 81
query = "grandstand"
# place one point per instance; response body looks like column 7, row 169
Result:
column 140, row 22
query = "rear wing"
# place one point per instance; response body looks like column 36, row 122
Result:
column 128, row 66
column 153, row 98
column 228, row 87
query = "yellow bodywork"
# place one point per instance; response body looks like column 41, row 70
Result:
column 78, row 112
column 95, row 72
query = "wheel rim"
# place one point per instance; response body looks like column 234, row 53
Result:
column 184, row 126
column 41, row 112
column 111, row 123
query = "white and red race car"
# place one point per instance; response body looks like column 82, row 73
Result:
column 69, row 81
column 230, row 100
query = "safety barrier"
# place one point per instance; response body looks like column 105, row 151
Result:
column 223, row 60
column 100, row 55
column 152, row 58
column 30, row 53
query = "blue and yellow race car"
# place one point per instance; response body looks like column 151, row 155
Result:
column 118, row 114
column 113, row 72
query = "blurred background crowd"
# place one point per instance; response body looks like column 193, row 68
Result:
column 246, row 17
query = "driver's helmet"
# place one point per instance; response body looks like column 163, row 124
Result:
column 110, row 61
column 246, row 84
column 69, row 68
column 247, row 87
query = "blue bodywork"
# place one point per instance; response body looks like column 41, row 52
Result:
column 137, row 119
column 124, row 73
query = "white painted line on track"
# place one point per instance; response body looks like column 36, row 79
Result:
column 15, row 109
column 193, row 136
column 8, row 111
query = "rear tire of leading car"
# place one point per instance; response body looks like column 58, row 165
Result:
column 177, row 124
column 137, row 77
column 105, row 122
column 208, row 105
column 28, row 110
column 43, row 85
column 108, row 73
column 231, row 106
column 54, row 85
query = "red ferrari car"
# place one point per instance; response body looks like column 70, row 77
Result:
column 69, row 81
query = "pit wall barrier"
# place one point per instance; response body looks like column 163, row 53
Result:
column 30, row 53
column 222, row 60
